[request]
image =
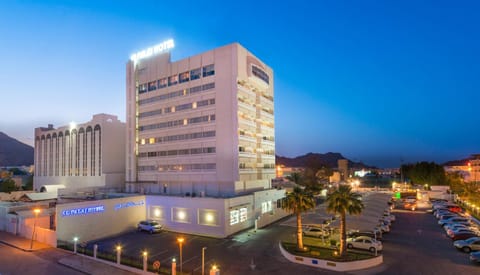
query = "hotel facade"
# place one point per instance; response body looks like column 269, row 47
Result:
column 89, row 155
column 200, row 126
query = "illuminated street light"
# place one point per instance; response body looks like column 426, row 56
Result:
column 180, row 244
column 145, row 261
column 119, row 252
column 36, row 211
column 75, row 241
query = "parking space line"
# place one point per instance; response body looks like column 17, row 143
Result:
column 206, row 264
column 190, row 259
column 159, row 253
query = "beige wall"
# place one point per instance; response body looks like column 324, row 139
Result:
column 102, row 224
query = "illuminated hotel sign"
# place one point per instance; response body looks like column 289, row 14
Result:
column 83, row 211
column 157, row 49
column 128, row 204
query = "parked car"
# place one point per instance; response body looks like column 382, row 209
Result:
column 442, row 222
column 149, row 226
column 454, row 226
column 383, row 228
column 376, row 234
column 316, row 232
column 475, row 257
column 463, row 236
column 390, row 217
column 364, row 242
column 457, row 231
column 468, row 245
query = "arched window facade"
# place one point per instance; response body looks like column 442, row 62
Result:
column 75, row 152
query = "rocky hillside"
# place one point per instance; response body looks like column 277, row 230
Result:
column 328, row 159
column 13, row 152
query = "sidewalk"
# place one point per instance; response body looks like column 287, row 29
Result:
column 20, row 242
column 77, row 262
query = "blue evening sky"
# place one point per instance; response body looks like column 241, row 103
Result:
column 378, row 81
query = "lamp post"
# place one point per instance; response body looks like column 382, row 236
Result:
column 119, row 252
column 75, row 241
column 35, row 211
column 145, row 255
column 180, row 245
column 203, row 260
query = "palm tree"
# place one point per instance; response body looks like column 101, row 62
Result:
column 297, row 202
column 343, row 201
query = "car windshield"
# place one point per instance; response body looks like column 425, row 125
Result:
column 154, row 223
column 471, row 240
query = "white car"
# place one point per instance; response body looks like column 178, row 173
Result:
column 390, row 217
column 316, row 232
column 364, row 242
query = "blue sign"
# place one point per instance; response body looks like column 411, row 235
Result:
column 128, row 204
column 83, row 211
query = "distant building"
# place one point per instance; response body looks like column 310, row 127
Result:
column 343, row 168
column 82, row 156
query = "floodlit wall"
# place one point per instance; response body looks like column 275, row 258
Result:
column 89, row 220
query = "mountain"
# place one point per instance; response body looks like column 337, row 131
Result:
column 13, row 152
column 328, row 159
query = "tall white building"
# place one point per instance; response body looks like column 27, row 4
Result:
column 203, row 125
column 79, row 156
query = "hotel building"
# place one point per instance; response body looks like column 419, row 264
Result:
column 80, row 156
column 200, row 126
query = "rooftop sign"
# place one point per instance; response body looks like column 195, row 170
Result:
column 157, row 49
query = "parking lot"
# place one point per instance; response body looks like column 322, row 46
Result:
column 415, row 245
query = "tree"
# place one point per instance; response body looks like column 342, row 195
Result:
column 297, row 202
column 295, row 177
column 425, row 173
column 8, row 185
column 343, row 201
column 29, row 183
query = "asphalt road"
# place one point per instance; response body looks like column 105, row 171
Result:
column 418, row 245
column 43, row 262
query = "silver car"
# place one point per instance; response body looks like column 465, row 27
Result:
column 149, row 226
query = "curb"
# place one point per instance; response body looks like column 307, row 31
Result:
column 17, row 247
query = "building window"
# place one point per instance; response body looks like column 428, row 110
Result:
column 142, row 88
column 152, row 86
column 243, row 214
column 195, row 74
column 208, row 70
column 173, row 80
column 184, row 77
column 234, row 217
column 266, row 207
column 260, row 74
column 162, row 83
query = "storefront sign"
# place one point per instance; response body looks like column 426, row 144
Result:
column 128, row 204
column 83, row 211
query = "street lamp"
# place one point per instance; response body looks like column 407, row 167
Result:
column 119, row 253
column 75, row 241
column 203, row 260
column 36, row 211
column 180, row 244
column 145, row 260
